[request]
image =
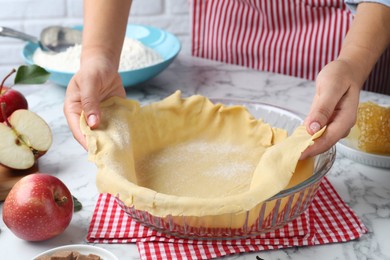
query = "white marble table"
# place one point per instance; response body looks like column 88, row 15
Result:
column 365, row 189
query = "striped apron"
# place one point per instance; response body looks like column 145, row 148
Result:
column 291, row 37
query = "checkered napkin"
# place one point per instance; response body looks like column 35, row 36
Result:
column 327, row 220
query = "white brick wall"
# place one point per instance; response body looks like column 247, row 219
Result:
column 31, row 16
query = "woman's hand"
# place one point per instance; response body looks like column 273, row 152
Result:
column 96, row 81
column 334, row 106
column 338, row 84
column 98, row 77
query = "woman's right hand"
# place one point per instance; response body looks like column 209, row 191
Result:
column 98, row 79
column 334, row 105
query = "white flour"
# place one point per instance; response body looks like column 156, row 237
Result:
column 134, row 55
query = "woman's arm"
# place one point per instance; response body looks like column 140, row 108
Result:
column 104, row 28
column 367, row 38
column 339, row 83
column 98, row 78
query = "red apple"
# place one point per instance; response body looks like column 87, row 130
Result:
column 38, row 207
column 10, row 100
column 24, row 137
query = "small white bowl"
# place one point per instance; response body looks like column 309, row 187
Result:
column 83, row 249
column 347, row 148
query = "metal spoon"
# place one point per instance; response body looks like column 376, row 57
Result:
column 53, row 39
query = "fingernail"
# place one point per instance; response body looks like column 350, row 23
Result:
column 315, row 127
column 92, row 120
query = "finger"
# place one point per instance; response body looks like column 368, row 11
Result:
column 90, row 99
column 339, row 128
column 72, row 111
column 322, row 109
column 330, row 90
column 320, row 145
column 74, row 125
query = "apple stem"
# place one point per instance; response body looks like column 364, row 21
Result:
column 61, row 200
column 2, row 108
column 6, row 77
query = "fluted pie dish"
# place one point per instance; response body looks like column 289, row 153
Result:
column 201, row 168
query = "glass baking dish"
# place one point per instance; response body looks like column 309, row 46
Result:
column 266, row 216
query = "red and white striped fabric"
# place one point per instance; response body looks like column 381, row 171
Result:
column 296, row 38
column 327, row 220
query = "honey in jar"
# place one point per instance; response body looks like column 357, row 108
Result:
column 373, row 123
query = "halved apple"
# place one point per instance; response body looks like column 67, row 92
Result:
column 24, row 137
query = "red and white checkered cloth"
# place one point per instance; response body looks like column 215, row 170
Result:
column 327, row 220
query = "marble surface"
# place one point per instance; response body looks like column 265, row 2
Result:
column 366, row 189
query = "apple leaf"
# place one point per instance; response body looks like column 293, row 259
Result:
column 31, row 74
column 76, row 204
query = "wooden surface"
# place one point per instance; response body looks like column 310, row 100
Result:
column 8, row 178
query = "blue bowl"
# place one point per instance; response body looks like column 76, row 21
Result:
column 163, row 42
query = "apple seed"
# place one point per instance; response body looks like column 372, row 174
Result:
column 24, row 139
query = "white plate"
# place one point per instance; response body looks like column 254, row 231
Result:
column 83, row 249
column 347, row 148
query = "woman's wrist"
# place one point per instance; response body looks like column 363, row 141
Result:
column 99, row 57
column 358, row 68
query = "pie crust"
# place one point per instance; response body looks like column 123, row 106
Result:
column 190, row 157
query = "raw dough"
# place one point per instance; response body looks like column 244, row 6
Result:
column 188, row 156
